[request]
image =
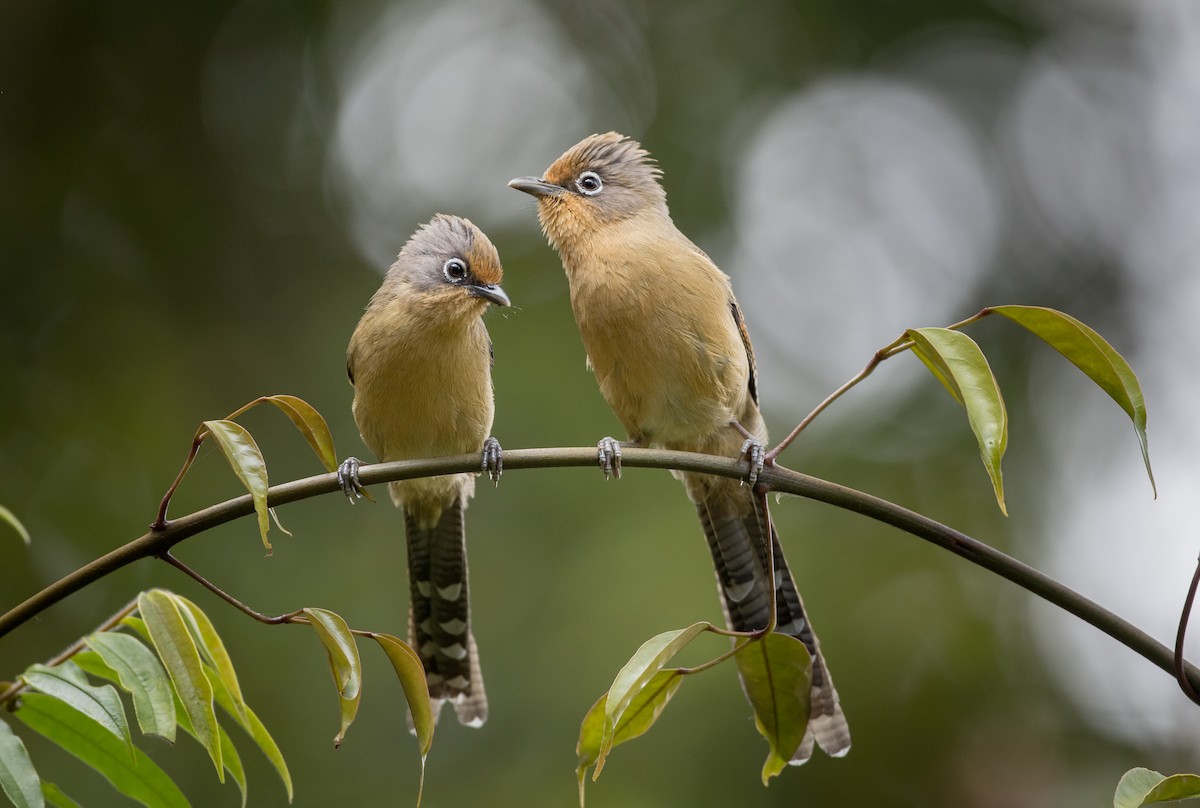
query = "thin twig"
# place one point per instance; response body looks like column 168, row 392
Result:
column 290, row 617
column 1180, row 674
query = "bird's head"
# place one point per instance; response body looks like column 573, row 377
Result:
column 600, row 180
column 452, row 265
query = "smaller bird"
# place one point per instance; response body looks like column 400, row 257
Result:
column 420, row 361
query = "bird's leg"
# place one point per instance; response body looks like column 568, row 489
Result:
column 609, row 454
column 493, row 460
column 347, row 475
column 754, row 452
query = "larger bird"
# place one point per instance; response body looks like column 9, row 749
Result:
column 667, row 343
column 420, row 361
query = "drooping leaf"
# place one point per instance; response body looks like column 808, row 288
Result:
column 956, row 361
column 777, row 676
column 68, row 683
column 647, row 661
column 343, row 661
column 411, row 674
column 1092, row 354
column 137, row 776
column 250, row 722
column 247, row 461
column 180, row 656
column 142, row 676
column 311, row 425
column 212, row 649
column 10, row 519
column 230, row 758
column 18, row 779
column 1145, row 787
column 643, row 710
column 56, row 797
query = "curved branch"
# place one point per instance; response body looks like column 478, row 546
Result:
column 774, row 478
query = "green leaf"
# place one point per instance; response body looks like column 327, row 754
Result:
column 18, row 778
column 777, row 677
column 213, row 649
column 142, row 676
column 179, row 655
column 956, row 361
column 311, row 425
column 68, row 683
column 137, row 777
column 1092, row 354
column 1145, row 787
column 343, row 661
column 56, row 797
column 7, row 517
column 247, row 461
column 250, row 722
column 411, row 674
column 643, row 710
column 647, row 661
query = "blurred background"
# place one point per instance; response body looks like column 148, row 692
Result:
column 196, row 202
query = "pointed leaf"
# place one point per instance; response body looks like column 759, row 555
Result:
column 777, row 677
column 137, row 777
column 68, row 683
column 247, row 461
column 956, row 361
column 250, row 722
column 142, row 676
column 311, row 425
column 1092, row 354
column 18, row 778
column 411, row 674
column 212, row 648
column 1146, row 787
column 179, row 655
column 55, row 796
column 9, row 518
column 648, row 660
column 230, row 758
column 343, row 661
column 637, row 718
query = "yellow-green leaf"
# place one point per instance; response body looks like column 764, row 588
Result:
column 254, row 727
column 956, row 361
column 142, row 676
column 247, row 461
column 647, row 661
column 343, row 661
column 68, row 683
column 180, row 656
column 641, row 713
column 213, row 649
column 1092, row 354
column 411, row 674
column 56, row 797
column 9, row 518
column 137, row 776
column 777, row 677
column 1145, row 787
column 18, row 779
column 311, row 425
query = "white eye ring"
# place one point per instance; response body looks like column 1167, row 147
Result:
column 589, row 183
column 455, row 270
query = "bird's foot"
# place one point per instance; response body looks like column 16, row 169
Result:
column 756, row 455
column 347, row 475
column 609, row 454
column 493, row 460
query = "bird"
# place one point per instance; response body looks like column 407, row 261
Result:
column 665, row 337
column 420, row 362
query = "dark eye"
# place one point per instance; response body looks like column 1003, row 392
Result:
column 455, row 270
column 589, row 183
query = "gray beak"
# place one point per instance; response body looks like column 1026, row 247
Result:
column 535, row 186
column 491, row 293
